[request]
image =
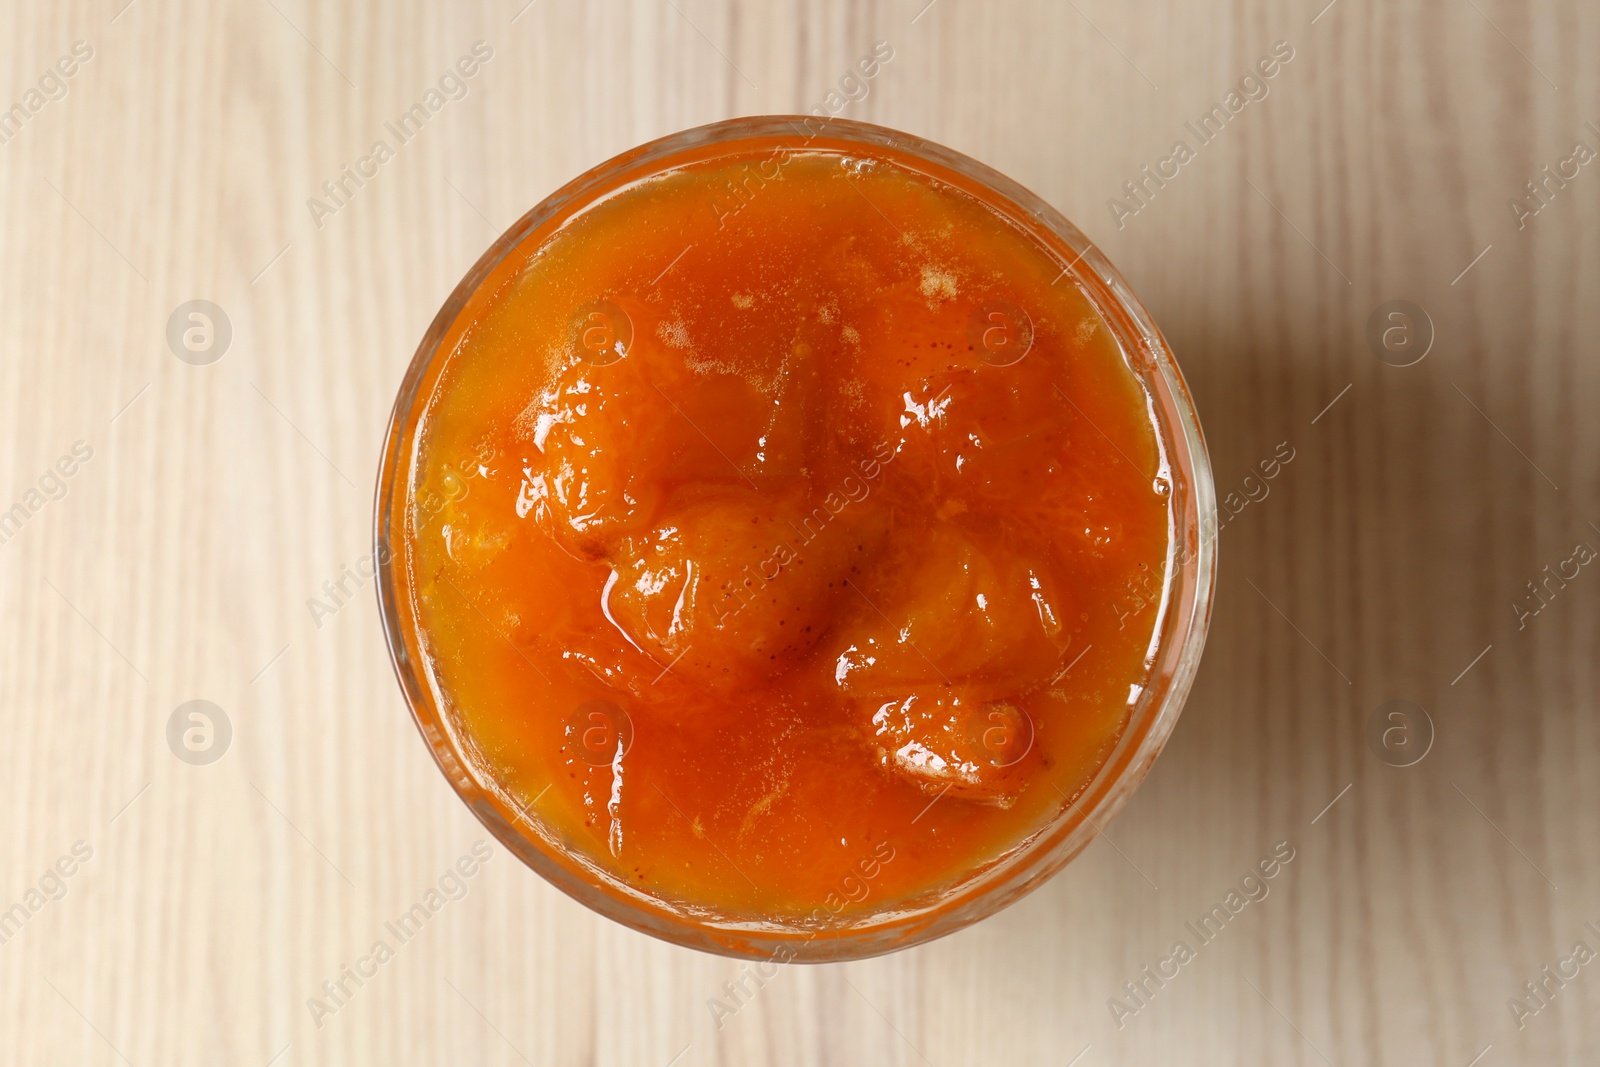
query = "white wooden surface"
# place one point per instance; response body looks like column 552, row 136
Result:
column 1384, row 563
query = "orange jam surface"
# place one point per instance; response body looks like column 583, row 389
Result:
column 750, row 559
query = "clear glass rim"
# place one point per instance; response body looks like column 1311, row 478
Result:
column 1182, row 623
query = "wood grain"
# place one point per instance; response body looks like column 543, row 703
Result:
column 218, row 499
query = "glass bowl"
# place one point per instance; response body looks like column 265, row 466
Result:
column 1180, row 627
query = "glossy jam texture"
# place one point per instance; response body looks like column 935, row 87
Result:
column 787, row 547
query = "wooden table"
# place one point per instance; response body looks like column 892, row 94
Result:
column 210, row 499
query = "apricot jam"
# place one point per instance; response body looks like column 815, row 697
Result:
column 785, row 531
